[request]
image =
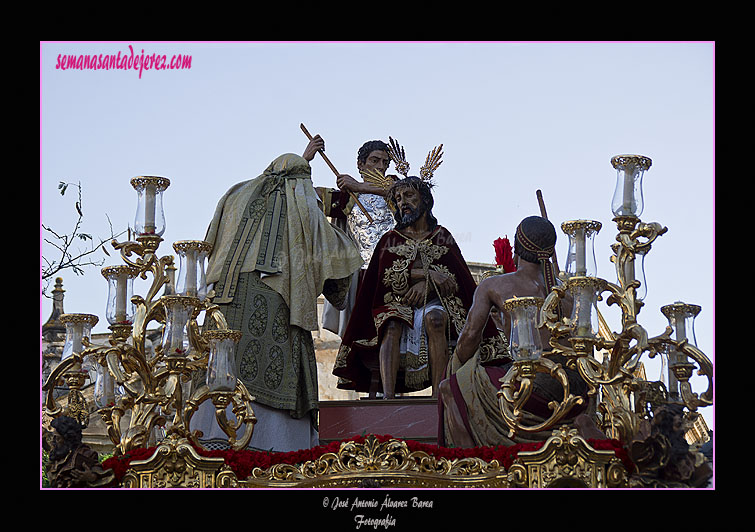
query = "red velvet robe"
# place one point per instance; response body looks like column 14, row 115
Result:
column 388, row 277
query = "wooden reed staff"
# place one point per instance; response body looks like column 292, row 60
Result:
column 544, row 214
column 327, row 161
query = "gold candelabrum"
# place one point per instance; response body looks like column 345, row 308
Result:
column 608, row 362
column 151, row 384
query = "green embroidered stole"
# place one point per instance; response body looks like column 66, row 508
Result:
column 268, row 209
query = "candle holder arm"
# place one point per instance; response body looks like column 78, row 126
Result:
column 517, row 387
column 239, row 399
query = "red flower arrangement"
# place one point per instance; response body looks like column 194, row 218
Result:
column 618, row 449
column 120, row 464
column 504, row 254
column 243, row 462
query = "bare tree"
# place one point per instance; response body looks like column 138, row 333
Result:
column 66, row 254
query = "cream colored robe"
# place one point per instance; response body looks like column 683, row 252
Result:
column 483, row 411
column 310, row 251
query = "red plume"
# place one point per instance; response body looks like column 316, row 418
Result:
column 504, row 255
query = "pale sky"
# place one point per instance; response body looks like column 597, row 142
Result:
column 512, row 118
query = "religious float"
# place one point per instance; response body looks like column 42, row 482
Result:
column 141, row 394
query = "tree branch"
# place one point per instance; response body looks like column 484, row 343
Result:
column 68, row 258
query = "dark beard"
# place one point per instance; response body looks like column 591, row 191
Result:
column 410, row 217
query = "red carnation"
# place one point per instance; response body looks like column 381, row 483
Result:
column 504, row 255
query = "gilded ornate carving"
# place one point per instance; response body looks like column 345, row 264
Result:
column 621, row 161
column 391, row 463
column 517, row 387
column 175, row 464
column 565, row 459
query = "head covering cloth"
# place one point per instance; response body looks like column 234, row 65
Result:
column 274, row 225
column 543, row 253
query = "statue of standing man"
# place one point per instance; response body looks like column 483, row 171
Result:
column 274, row 253
column 373, row 155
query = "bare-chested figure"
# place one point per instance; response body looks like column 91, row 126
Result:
column 470, row 413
